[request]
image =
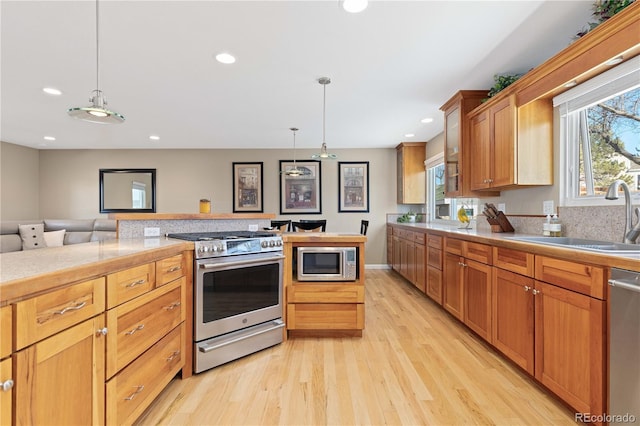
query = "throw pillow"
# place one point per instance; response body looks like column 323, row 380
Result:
column 32, row 236
column 54, row 238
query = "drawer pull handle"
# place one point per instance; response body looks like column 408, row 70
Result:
column 135, row 283
column 535, row 292
column 70, row 308
column 173, row 356
column 527, row 288
column 172, row 306
column 138, row 328
column 6, row 385
column 102, row 332
column 175, row 268
column 133, row 395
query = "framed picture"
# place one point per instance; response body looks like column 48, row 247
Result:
column 247, row 187
column 353, row 186
column 300, row 194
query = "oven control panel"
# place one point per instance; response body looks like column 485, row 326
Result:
column 233, row 247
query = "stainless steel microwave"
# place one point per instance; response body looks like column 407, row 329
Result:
column 327, row 263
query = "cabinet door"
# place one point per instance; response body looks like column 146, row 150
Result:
column 503, row 132
column 6, row 396
column 396, row 262
column 477, row 298
column 512, row 331
column 420, row 267
column 453, row 296
column 570, row 351
column 408, row 260
column 434, row 284
column 6, row 331
column 452, row 153
column 480, row 165
column 60, row 380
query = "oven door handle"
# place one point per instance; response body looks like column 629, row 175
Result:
column 239, row 262
column 275, row 324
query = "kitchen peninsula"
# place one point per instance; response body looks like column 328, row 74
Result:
column 322, row 308
column 93, row 332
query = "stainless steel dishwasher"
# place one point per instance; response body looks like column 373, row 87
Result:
column 624, row 349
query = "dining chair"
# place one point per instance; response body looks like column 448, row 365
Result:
column 364, row 225
column 310, row 226
column 284, row 225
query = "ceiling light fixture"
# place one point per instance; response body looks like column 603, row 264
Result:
column 52, row 91
column 225, row 58
column 409, row 135
column 427, row 120
column 324, row 155
column 294, row 171
column 154, row 137
column 97, row 112
column 355, row 6
column 49, row 138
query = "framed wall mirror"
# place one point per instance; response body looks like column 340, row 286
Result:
column 127, row 190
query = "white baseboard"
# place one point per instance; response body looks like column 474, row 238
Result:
column 377, row 266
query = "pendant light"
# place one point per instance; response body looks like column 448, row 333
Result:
column 97, row 112
column 295, row 171
column 324, row 155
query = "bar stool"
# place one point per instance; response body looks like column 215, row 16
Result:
column 364, row 225
column 310, row 226
column 284, row 225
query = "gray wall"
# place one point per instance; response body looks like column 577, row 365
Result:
column 67, row 186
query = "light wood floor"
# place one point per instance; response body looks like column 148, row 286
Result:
column 414, row 365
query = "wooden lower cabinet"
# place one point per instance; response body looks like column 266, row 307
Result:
column 555, row 334
column 453, row 296
column 133, row 389
column 325, row 307
column 434, row 284
column 410, row 256
column 6, row 396
column 420, row 267
column 570, row 349
column 477, row 298
column 60, row 380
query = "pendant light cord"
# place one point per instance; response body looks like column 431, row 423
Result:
column 324, row 102
column 97, row 45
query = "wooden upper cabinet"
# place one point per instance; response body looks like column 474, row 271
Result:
column 457, row 137
column 511, row 146
column 411, row 172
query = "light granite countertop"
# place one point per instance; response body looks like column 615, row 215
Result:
column 506, row 239
column 47, row 268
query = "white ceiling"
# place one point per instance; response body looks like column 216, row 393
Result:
column 391, row 65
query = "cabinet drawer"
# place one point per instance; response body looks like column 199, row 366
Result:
column 315, row 316
column 479, row 252
column 516, row 261
column 43, row 316
column 125, row 285
column 137, row 325
column 6, row 397
column 169, row 269
column 134, row 388
column 434, row 241
column 325, row 293
column 451, row 245
column 434, row 257
column 419, row 237
column 585, row 279
column 6, row 333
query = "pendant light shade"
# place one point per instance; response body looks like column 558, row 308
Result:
column 295, row 171
column 324, row 154
column 97, row 112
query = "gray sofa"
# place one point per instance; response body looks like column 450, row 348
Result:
column 77, row 231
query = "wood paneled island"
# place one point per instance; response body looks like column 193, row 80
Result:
column 321, row 308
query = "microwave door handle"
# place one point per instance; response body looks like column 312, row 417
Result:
column 239, row 263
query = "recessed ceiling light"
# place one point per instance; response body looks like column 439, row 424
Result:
column 225, row 58
column 154, row 137
column 409, row 135
column 427, row 120
column 355, row 6
column 49, row 138
column 52, row 91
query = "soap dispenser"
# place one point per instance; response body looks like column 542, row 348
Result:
column 555, row 226
column 546, row 226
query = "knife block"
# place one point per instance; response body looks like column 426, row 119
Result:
column 500, row 223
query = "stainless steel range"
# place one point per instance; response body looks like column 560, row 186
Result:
column 238, row 299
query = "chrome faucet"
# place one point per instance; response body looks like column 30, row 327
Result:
column 631, row 232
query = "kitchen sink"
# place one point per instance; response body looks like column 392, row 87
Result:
column 582, row 244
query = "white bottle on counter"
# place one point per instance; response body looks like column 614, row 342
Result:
column 546, row 227
column 555, row 227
